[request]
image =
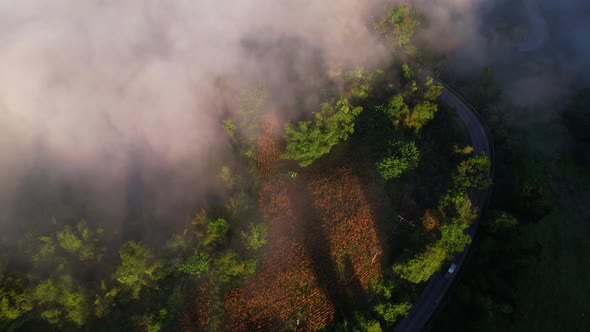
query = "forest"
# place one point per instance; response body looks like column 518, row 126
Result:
column 524, row 222
column 260, row 165
column 331, row 220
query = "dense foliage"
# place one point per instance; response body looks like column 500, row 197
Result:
column 403, row 158
column 309, row 140
column 398, row 26
column 457, row 213
column 415, row 105
column 505, row 282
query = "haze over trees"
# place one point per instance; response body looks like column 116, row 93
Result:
column 303, row 229
column 398, row 26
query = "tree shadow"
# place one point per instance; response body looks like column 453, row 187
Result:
column 317, row 246
column 338, row 281
column 351, row 290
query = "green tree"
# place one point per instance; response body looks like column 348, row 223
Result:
column 196, row 264
column 230, row 129
column 46, row 250
column 411, row 117
column 56, row 249
column 466, row 150
column 403, row 157
column 230, row 268
column 453, row 237
column 309, row 140
column 46, row 291
column 216, row 231
column 431, row 90
column 382, row 290
column 68, row 240
column 395, row 108
column 415, row 105
column 61, row 300
column 391, row 312
column 256, row 238
column 74, row 302
column 198, row 227
column 465, row 211
column 447, row 205
column 501, row 222
column 52, row 316
column 138, row 268
column 423, row 266
column 82, row 241
column 104, row 300
column 473, row 172
column 398, row 26
column 359, row 83
column 13, row 303
column 371, row 326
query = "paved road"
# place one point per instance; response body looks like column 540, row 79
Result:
column 428, row 302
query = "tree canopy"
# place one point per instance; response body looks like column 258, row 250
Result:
column 473, row 172
column 256, row 238
column 310, row 140
column 415, row 105
column 456, row 211
column 196, row 264
column 138, row 268
column 403, row 157
column 398, row 26
column 424, row 265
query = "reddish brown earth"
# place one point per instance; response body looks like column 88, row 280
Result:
column 323, row 245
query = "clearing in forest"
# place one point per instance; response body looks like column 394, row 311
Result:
column 323, row 246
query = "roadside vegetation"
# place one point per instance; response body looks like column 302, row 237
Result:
column 528, row 254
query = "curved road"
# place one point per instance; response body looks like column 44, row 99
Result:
column 429, row 301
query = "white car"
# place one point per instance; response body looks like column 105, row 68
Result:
column 450, row 271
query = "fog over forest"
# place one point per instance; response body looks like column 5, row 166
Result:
column 113, row 99
column 113, row 102
column 263, row 165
